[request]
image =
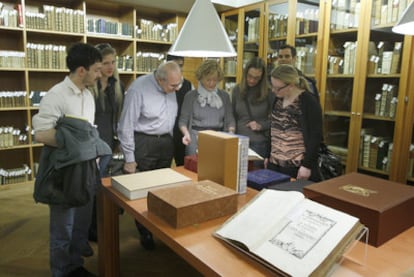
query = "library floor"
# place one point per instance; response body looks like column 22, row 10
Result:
column 24, row 242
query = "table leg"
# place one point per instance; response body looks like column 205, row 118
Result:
column 108, row 235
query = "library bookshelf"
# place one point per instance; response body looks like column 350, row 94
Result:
column 34, row 36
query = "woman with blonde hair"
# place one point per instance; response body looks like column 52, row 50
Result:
column 296, row 126
column 205, row 108
column 109, row 97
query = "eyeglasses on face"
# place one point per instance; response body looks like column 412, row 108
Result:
column 277, row 89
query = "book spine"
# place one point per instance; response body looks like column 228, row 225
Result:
column 243, row 164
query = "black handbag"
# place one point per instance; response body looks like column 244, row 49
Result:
column 329, row 164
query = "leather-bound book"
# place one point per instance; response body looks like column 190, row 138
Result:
column 192, row 203
column 385, row 207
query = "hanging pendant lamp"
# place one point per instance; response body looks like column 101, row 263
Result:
column 202, row 34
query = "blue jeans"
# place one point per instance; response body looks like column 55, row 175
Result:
column 68, row 233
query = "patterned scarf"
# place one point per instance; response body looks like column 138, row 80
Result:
column 210, row 98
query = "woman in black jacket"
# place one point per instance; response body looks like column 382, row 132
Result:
column 296, row 126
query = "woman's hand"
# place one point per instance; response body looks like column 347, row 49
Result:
column 303, row 173
column 186, row 139
column 253, row 125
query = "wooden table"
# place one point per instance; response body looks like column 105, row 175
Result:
column 211, row 257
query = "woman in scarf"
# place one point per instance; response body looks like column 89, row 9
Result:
column 206, row 108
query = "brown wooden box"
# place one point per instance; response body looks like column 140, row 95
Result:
column 385, row 207
column 188, row 204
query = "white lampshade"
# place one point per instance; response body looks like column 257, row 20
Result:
column 203, row 34
column 405, row 25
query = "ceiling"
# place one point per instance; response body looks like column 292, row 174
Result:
column 184, row 6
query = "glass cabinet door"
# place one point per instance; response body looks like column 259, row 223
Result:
column 306, row 35
column 381, row 91
column 338, row 78
column 230, row 65
column 276, row 30
column 295, row 23
column 252, row 32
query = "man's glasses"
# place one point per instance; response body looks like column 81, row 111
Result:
column 276, row 89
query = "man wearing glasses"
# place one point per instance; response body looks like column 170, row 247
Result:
column 146, row 125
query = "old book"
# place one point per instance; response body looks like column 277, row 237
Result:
column 365, row 149
column 373, row 152
column 386, row 62
column 396, row 56
column 382, row 153
column 192, row 203
column 383, row 206
column 222, row 158
column 263, row 178
column 137, row 185
column 303, row 238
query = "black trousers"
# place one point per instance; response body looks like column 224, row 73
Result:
column 152, row 152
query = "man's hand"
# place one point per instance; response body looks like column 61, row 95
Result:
column 130, row 167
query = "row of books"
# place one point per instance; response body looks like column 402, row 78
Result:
column 386, row 101
column 125, row 63
column 15, row 175
column 11, row 136
column 63, row 19
column 384, row 58
column 103, row 26
column 11, row 99
column 375, row 151
column 345, row 14
column 277, row 25
column 230, row 66
column 12, row 59
column 307, row 21
column 343, row 64
column 46, row 56
column 253, row 28
column 387, row 11
column 305, row 58
column 8, row 16
column 148, row 61
column 231, row 27
column 148, row 29
column 35, row 97
column 54, row 18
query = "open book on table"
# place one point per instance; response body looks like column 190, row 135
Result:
column 290, row 234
